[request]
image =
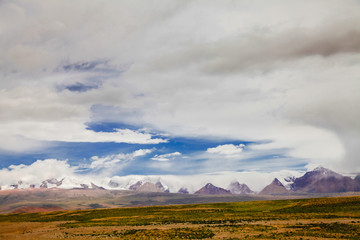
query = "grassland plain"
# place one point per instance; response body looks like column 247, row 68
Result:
column 317, row 218
column 27, row 200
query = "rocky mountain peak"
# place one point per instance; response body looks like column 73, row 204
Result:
column 160, row 186
column 183, row 190
column 94, row 186
column 55, row 181
column 324, row 171
column 43, row 184
column 237, row 188
column 113, row 184
column 274, row 188
column 148, row 187
column 323, row 180
column 212, row 190
column 290, row 179
column 135, row 186
column 277, row 182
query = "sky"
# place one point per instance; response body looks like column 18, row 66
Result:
column 181, row 89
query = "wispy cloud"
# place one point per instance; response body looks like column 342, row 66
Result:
column 166, row 157
column 111, row 164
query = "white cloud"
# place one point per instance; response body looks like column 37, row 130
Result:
column 67, row 132
column 42, row 170
column 142, row 152
column 113, row 163
column 33, row 115
column 36, row 172
column 166, row 157
column 227, row 149
column 106, row 162
column 98, row 169
column 256, row 180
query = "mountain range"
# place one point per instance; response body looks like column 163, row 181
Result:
column 319, row 180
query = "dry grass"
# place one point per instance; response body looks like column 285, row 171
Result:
column 328, row 218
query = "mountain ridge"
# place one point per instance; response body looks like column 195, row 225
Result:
column 319, row 180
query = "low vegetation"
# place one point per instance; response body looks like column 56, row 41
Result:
column 320, row 218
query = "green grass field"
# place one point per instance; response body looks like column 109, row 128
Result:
column 319, row 218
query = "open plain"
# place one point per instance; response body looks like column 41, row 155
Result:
column 317, row 218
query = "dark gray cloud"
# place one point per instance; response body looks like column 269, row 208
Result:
column 265, row 51
column 80, row 87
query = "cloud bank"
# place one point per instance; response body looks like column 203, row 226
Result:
column 42, row 170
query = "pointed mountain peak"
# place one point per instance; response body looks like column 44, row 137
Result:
column 319, row 168
column 234, row 183
column 148, row 187
column 236, row 188
column 183, row 190
column 323, row 170
column 136, row 186
column 55, row 181
column 210, row 186
column 323, row 180
column 94, row 186
column 43, row 184
column 160, row 186
column 212, row 190
column 274, row 188
column 277, row 182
